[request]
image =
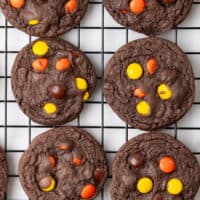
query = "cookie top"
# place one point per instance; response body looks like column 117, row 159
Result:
column 155, row 166
column 148, row 16
column 3, row 174
column 44, row 18
column 51, row 79
column 149, row 83
column 63, row 163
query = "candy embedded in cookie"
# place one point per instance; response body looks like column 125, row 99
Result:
column 143, row 108
column 40, row 64
column 150, row 17
column 17, row 3
column 66, row 163
column 164, row 92
column 135, row 71
column 174, row 186
column 137, row 6
column 47, row 184
column 167, row 164
column 44, row 18
column 40, row 48
column 71, row 6
column 88, row 191
column 51, row 82
column 33, row 22
column 63, row 64
column 151, row 65
column 145, row 86
column 144, row 185
column 154, row 166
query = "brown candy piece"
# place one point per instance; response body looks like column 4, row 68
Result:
column 99, row 174
column 129, row 180
column 136, row 159
column 45, row 182
column 57, row 91
column 157, row 197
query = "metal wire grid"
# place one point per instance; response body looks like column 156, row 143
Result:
column 128, row 131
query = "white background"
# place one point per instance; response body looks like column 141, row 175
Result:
column 99, row 36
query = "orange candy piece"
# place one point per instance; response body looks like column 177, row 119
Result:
column 40, row 64
column 17, row 3
column 151, row 65
column 139, row 93
column 52, row 161
column 71, row 6
column 77, row 161
column 167, row 164
column 63, row 146
column 63, row 64
column 124, row 11
column 88, row 191
column 137, row 6
column 75, row 54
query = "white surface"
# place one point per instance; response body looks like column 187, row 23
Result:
column 96, row 118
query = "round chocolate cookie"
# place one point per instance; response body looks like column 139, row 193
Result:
column 44, row 18
column 3, row 174
column 155, row 166
column 149, row 83
column 51, row 79
column 63, row 163
column 149, row 16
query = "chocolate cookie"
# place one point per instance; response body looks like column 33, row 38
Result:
column 44, row 18
column 51, row 79
column 149, row 16
column 149, row 83
column 63, row 163
column 155, row 166
column 3, row 174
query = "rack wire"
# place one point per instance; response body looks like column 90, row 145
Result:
column 93, row 36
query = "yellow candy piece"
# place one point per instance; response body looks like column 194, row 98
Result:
column 51, row 186
column 164, row 92
column 40, row 48
column 86, row 96
column 134, row 71
column 33, row 22
column 174, row 186
column 143, row 108
column 144, row 185
column 50, row 108
column 81, row 84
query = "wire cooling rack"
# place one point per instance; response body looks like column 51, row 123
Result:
column 98, row 36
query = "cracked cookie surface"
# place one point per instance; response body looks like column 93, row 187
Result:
column 51, row 80
column 149, row 83
column 44, row 18
column 155, row 166
column 149, row 16
column 63, row 163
